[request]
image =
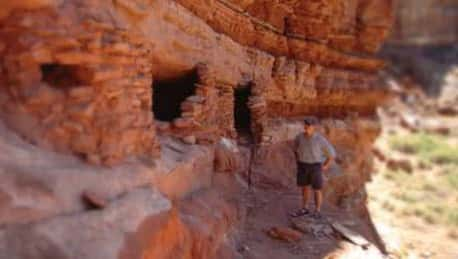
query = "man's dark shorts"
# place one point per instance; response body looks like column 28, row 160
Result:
column 310, row 174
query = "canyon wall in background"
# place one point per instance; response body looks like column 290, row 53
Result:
column 424, row 45
column 425, row 22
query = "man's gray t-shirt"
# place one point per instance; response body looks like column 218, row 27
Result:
column 314, row 149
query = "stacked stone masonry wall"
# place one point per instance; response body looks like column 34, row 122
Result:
column 105, row 114
column 199, row 118
column 225, row 110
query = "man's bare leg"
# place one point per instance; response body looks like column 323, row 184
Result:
column 318, row 200
column 305, row 196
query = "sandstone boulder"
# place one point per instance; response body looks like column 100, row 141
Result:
column 89, row 234
column 285, row 234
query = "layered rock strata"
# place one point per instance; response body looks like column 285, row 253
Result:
column 81, row 73
column 79, row 78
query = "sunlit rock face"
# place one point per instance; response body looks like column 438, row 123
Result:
column 92, row 83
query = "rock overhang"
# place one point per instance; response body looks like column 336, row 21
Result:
column 128, row 45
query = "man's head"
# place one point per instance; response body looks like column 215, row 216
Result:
column 309, row 125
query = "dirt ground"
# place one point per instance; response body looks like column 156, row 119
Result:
column 269, row 208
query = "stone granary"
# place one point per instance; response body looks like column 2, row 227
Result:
column 106, row 82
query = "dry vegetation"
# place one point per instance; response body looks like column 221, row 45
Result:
column 413, row 197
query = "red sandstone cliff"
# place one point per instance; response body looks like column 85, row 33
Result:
column 91, row 80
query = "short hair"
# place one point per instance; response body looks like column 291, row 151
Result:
column 310, row 121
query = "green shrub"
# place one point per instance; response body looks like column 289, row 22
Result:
column 453, row 181
column 432, row 148
column 428, row 194
column 453, row 217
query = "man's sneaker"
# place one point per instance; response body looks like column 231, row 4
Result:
column 317, row 215
column 300, row 212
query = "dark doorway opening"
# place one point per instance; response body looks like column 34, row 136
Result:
column 242, row 115
column 168, row 95
column 65, row 76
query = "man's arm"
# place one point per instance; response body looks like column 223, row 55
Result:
column 293, row 143
column 329, row 152
column 327, row 163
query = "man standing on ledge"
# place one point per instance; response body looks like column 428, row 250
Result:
column 314, row 155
